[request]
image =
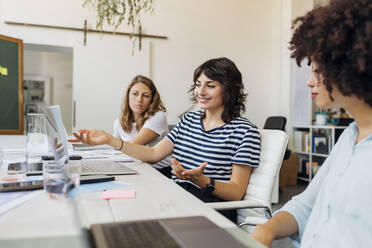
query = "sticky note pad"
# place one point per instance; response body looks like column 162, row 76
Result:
column 118, row 194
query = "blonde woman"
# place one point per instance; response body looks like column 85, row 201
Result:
column 142, row 119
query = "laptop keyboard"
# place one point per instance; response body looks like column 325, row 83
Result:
column 100, row 166
column 148, row 234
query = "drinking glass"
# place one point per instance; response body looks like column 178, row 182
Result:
column 74, row 170
column 36, row 140
column 1, row 157
column 56, row 179
column 13, row 166
column 2, row 170
column 61, row 180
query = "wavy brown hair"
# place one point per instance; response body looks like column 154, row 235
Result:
column 338, row 38
column 224, row 71
column 126, row 116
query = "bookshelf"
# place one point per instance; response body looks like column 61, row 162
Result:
column 313, row 144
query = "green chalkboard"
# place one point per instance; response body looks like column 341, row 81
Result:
column 11, row 85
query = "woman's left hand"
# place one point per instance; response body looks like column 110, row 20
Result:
column 195, row 175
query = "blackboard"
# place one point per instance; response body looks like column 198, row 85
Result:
column 11, row 85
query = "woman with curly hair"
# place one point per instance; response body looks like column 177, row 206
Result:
column 142, row 119
column 335, row 209
column 214, row 149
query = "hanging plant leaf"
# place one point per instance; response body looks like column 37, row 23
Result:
column 115, row 12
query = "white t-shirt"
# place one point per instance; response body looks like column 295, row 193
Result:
column 157, row 123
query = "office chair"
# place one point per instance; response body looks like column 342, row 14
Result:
column 170, row 127
column 277, row 122
column 255, row 208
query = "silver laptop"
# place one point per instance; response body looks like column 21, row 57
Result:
column 58, row 142
column 86, row 147
column 185, row 232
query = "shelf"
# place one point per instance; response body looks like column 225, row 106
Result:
column 302, row 153
column 320, row 155
column 313, row 154
column 304, row 179
column 303, row 136
column 321, row 127
column 327, row 127
column 302, row 127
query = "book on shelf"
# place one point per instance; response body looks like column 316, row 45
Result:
column 301, row 141
column 306, row 142
column 297, row 137
column 320, row 144
column 314, row 168
column 305, row 168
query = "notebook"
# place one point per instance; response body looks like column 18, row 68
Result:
column 58, row 142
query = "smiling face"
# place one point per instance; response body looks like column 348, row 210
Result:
column 208, row 93
column 320, row 93
column 139, row 99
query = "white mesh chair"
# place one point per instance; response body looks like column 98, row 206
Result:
column 255, row 208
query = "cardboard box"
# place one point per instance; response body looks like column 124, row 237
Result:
column 288, row 171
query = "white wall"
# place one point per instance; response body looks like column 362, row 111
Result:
column 251, row 33
column 248, row 32
column 57, row 66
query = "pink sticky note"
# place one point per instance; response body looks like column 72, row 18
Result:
column 118, row 194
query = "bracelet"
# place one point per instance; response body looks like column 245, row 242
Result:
column 122, row 143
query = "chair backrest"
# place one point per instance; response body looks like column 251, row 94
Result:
column 275, row 122
column 170, row 127
column 261, row 183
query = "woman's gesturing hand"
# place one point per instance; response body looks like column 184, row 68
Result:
column 92, row 137
column 195, row 175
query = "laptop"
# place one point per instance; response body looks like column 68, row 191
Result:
column 185, row 232
column 58, row 142
column 86, row 147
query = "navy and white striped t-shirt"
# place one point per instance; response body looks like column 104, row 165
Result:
column 236, row 142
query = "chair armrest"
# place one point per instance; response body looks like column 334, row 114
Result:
column 253, row 221
column 237, row 205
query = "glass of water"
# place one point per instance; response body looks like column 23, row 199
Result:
column 59, row 181
column 74, row 170
column 13, row 166
column 56, row 179
column 36, row 140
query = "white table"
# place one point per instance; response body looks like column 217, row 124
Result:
column 156, row 197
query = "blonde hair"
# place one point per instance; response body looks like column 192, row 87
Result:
column 127, row 117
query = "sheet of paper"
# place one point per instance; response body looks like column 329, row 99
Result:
column 9, row 200
column 96, row 187
column 118, row 194
column 104, row 154
column 14, row 150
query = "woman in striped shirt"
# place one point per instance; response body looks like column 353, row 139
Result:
column 214, row 149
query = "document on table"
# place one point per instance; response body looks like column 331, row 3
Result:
column 9, row 200
column 104, row 154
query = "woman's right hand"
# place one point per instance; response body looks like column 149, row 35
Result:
column 92, row 137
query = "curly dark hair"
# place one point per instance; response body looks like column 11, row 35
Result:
column 338, row 38
column 224, row 71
